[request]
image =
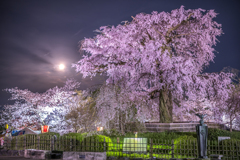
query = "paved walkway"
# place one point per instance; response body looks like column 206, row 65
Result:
column 17, row 158
column 12, row 158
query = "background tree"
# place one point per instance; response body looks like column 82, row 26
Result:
column 159, row 56
column 232, row 108
column 116, row 110
column 190, row 108
column 4, row 118
column 47, row 108
column 83, row 113
column 238, row 123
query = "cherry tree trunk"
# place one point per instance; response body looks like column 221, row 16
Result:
column 121, row 122
column 230, row 125
column 165, row 107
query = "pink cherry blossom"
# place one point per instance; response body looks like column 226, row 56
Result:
column 159, row 54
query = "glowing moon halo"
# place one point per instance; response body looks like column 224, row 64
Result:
column 61, row 66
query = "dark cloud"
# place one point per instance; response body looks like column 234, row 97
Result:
column 36, row 36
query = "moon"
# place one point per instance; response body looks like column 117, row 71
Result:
column 61, row 66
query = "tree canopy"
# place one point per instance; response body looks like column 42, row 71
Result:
column 159, row 55
column 34, row 109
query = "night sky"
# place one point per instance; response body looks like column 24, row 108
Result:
column 38, row 35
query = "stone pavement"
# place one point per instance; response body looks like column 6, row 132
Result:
column 12, row 158
column 17, row 158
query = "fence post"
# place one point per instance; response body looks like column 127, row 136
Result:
column 98, row 144
column 238, row 148
column 71, row 143
column 38, row 139
column 194, row 145
column 64, row 143
column 172, row 148
column 52, row 143
column 75, row 140
column 5, row 143
column 16, row 142
column 24, row 138
column 34, row 141
column 180, row 146
column 151, row 148
column 30, row 140
column 104, row 145
column 9, row 142
column 49, row 136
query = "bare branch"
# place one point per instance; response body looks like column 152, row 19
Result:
column 177, row 26
column 158, row 31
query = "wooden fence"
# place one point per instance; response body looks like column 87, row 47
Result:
column 155, row 147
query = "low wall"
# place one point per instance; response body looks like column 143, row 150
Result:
column 178, row 127
column 84, row 156
column 6, row 152
column 31, row 154
column 36, row 154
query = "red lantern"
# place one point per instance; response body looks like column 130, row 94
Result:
column 44, row 129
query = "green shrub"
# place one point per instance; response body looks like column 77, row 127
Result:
column 213, row 133
column 72, row 134
column 185, row 145
column 193, row 134
column 96, row 143
column 30, row 140
column 235, row 135
column 49, row 134
column 93, row 133
column 160, row 146
column 168, row 136
column 229, row 145
column 84, row 134
column 45, row 140
column 74, row 138
column 111, row 133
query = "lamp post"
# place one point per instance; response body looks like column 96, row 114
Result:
column 202, row 132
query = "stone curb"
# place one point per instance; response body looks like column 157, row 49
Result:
column 6, row 152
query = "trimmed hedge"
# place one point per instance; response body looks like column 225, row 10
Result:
column 76, row 138
column 49, row 134
column 110, row 133
column 30, row 139
column 96, row 143
column 213, row 133
column 47, row 138
column 84, row 134
column 185, row 145
column 235, row 135
column 233, row 144
column 160, row 146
